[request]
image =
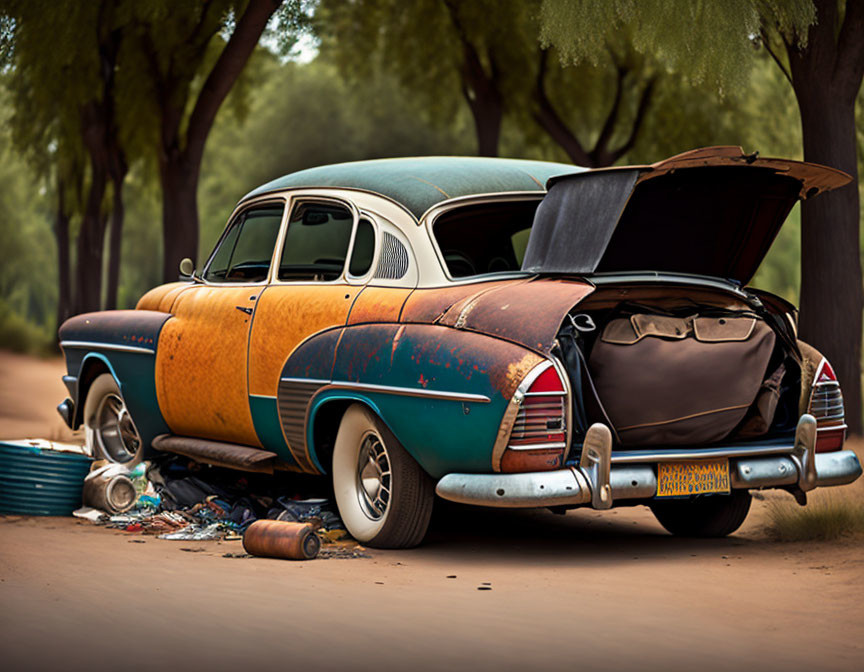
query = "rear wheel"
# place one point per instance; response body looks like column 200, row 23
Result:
column 705, row 516
column 109, row 430
column 384, row 497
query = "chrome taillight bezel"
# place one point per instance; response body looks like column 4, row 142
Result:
column 827, row 406
column 523, row 392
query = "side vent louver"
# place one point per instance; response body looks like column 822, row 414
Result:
column 393, row 263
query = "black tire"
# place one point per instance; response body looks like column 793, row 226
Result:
column 384, row 497
column 704, row 516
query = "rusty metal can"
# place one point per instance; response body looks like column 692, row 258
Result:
column 109, row 489
column 281, row 539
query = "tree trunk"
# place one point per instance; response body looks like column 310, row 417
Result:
column 831, row 282
column 179, row 216
column 61, row 233
column 487, row 113
column 826, row 75
column 88, row 262
column 115, row 243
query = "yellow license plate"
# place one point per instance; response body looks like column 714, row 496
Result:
column 679, row 479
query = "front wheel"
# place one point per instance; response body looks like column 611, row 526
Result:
column 110, row 433
column 705, row 516
column 384, row 497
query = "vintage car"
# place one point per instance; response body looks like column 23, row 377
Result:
column 505, row 333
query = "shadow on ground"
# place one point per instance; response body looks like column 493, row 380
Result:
column 539, row 536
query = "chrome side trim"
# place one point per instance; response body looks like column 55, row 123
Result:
column 391, row 389
column 317, row 381
column 106, row 346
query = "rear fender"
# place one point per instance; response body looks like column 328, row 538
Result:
column 441, row 391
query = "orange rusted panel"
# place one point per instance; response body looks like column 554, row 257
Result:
column 378, row 304
column 162, row 298
column 201, row 365
column 286, row 315
column 529, row 313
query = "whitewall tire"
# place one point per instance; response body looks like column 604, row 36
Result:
column 384, row 497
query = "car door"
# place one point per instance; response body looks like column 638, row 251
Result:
column 326, row 252
column 202, row 362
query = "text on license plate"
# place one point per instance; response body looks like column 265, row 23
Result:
column 677, row 479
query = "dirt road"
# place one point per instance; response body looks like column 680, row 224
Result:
column 596, row 591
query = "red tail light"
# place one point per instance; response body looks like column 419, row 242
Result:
column 826, row 405
column 539, row 434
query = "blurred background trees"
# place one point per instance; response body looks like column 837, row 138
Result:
column 129, row 129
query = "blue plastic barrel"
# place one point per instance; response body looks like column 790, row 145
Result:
column 38, row 480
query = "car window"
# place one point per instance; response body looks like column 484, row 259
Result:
column 244, row 253
column 316, row 243
column 364, row 249
column 485, row 238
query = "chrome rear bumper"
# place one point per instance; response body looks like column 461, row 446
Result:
column 598, row 480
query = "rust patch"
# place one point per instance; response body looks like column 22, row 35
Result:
column 425, row 306
column 529, row 313
column 518, row 461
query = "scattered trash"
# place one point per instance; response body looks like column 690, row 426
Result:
column 195, row 533
column 193, row 550
column 342, row 553
column 176, row 499
column 451, row 576
column 484, row 587
column 281, row 539
column 236, row 555
column 88, row 513
column 108, row 487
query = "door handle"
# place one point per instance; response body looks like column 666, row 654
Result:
column 244, row 309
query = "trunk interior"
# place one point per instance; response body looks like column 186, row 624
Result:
column 681, row 366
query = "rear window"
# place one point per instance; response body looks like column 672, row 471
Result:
column 485, row 238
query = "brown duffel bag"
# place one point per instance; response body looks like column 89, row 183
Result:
column 667, row 380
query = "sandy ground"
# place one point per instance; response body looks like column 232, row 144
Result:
column 589, row 590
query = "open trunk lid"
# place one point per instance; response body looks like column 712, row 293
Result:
column 712, row 211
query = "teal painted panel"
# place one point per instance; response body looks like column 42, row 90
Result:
column 418, row 183
column 437, row 433
column 136, row 375
column 265, row 418
column 442, row 435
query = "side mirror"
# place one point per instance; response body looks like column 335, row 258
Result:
column 187, row 269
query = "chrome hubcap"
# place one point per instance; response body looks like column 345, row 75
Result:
column 373, row 477
column 116, row 433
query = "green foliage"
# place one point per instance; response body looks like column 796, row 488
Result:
column 386, row 83
column 705, row 41
column 306, row 115
column 28, row 279
column 21, row 335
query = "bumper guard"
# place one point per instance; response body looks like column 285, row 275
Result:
column 599, row 482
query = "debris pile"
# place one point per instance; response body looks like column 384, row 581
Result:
column 178, row 499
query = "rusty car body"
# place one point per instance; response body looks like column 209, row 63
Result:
column 398, row 325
